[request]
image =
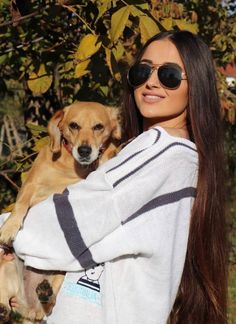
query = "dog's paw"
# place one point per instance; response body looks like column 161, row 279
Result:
column 8, row 232
column 4, row 313
column 44, row 291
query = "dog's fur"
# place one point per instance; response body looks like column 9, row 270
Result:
column 82, row 136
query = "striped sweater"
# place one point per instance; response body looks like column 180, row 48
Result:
column 132, row 214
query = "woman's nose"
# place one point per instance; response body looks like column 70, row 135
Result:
column 153, row 81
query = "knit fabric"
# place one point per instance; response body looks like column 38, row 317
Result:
column 132, row 214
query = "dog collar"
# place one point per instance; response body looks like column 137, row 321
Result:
column 66, row 145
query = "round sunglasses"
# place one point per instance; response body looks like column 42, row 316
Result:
column 170, row 75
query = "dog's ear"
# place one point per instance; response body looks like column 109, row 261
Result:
column 115, row 117
column 54, row 131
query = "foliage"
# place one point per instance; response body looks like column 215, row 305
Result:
column 74, row 50
column 81, row 48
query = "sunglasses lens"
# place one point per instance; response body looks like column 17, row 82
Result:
column 169, row 76
column 138, row 74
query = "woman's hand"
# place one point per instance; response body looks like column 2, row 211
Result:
column 7, row 256
column 13, row 302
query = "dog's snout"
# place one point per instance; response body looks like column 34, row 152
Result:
column 84, row 150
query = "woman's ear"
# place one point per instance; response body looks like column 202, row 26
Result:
column 115, row 117
column 54, row 131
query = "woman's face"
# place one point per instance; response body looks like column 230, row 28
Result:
column 158, row 105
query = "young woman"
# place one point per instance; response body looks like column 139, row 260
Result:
column 153, row 215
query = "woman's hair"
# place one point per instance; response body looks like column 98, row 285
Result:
column 202, row 292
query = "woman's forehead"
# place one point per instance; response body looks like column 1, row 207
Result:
column 162, row 51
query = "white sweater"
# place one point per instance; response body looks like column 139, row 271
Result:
column 133, row 215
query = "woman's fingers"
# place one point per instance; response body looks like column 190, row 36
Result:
column 13, row 302
column 4, row 255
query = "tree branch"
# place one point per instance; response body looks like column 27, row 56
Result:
column 7, row 23
column 3, row 174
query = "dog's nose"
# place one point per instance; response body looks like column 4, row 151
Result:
column 84, row 151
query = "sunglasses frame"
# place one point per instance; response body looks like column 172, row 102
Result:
column 156, row 67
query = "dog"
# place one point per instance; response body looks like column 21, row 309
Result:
column 81, row 137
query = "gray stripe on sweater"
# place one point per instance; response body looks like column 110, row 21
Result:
column 162, row 200
column 150, row 160
column 133, row 155
column 71, row 231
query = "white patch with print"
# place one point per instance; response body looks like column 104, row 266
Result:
column 87, row 286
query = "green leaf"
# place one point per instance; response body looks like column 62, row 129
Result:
column 88, row 46
column 5, row 3
column 37, row 129
column 39, row 82
column 118, row 22
column 105, row 90
column 148, row 28
column 3, row 58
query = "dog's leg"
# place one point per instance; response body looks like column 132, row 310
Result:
column 11, row 278
column 47, row 291
column 46, row 296
column 4, row 313
column 57, row 281
column 9, row 287
column 14, row 222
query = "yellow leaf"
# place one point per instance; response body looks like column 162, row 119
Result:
column 9, row 208
column 136, row 12
column 192, row 28
column 143, row 6
column 184, row 25
column 39, row 82
column 40, row 143
column 88, row 46
column 148, row 28
column 118, row 22
column 80, row 68
column 167, row 23
column 118, row 51
column 112, row 64
column 103, row 6
column 23, row 176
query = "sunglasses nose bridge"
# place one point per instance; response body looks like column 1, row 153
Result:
column 153, row 79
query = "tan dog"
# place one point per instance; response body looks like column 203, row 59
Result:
column 82, row 136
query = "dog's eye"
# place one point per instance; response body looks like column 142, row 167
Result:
column 74, row 125
column 98, row 127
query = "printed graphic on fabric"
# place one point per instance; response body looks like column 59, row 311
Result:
column 91, row 277
column 87, row 288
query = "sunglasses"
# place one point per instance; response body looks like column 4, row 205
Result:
column 170, row 75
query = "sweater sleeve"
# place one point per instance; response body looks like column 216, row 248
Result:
column 90, row 222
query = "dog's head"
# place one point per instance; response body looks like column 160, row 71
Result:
column 85, row 128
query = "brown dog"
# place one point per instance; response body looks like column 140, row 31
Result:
column 82, row 136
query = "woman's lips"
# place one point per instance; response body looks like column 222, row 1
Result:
column 152, row 98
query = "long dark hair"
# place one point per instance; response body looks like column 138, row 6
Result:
column 202, row 293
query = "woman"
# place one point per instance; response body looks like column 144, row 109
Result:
column 154, row 214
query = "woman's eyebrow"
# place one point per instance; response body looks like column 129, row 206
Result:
column 146, row 60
